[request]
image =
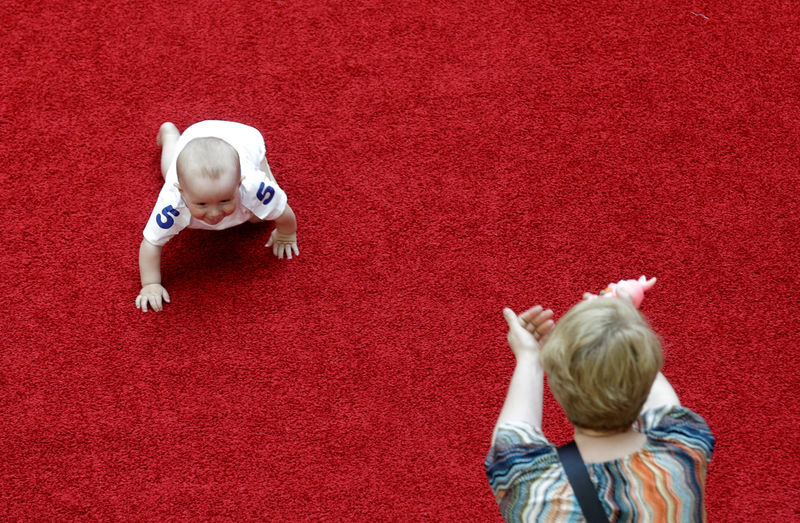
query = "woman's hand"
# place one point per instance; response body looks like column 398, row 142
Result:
column 527, row 331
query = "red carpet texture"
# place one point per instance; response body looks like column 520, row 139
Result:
column 444, row 159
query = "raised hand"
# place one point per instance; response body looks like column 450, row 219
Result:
column 526, row 331
column 631, row 289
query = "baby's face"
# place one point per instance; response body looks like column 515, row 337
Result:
column 211, row 200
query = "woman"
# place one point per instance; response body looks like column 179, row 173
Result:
column 646, row 454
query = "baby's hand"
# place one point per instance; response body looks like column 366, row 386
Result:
column 152, row 294
column 283, row 244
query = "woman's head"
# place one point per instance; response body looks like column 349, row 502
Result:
column 601, row 360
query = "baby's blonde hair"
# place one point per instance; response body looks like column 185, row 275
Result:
column 601, row 360
column 207, row 157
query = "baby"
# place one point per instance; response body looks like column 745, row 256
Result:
column 216, row 176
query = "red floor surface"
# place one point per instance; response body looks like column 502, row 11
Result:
column 444, row 160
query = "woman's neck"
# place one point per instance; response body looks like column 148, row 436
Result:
column 598, row 446
column 600, row 433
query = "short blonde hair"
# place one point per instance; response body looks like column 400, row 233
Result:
column 209, row 158
column 601, row 360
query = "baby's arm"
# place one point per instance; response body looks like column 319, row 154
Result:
column 150, row 271
column 283, row 239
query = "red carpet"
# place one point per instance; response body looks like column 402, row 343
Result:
column 444, row 160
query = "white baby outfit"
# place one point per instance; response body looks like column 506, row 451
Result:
column 259, row 195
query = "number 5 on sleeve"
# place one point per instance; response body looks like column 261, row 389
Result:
column 167, row 221
column 265, row 193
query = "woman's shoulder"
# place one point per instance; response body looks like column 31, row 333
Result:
column 520, row 449
column 677, row 425
column 520, row 432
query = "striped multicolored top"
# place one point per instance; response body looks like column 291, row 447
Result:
column 664, row 481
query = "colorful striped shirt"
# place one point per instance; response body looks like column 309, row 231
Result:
column 664, row 481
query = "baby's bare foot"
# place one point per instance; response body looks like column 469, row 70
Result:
column 166, row 129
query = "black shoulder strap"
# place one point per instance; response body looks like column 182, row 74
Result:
column 579, row 479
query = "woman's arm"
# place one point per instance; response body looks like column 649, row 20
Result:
column 661, row 393
column 526, row 390
column 525, row 394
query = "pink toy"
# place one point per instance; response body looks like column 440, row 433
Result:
column 634, row 288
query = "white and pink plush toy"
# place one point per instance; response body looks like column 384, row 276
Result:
column 633, row 288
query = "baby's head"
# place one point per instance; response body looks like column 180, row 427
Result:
column 601, row 360
column 209, row 175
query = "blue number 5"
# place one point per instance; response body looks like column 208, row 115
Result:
column 167, row 222
column 265, row 193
